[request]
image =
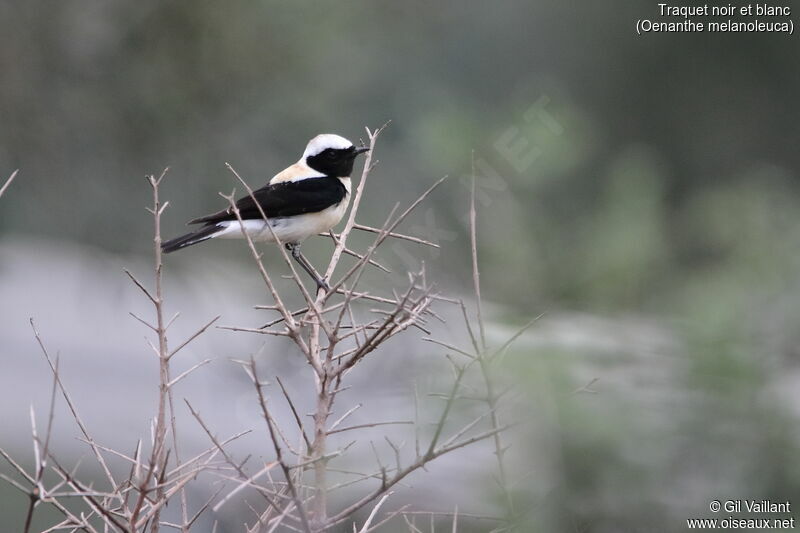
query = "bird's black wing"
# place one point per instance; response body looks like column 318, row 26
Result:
column 284, row 199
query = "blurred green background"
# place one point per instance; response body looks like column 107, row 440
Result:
column 649, row 205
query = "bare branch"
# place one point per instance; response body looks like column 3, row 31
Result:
column 187, row 372
column 372, row 514
column 422, row 461
column 476, row 276
column 389, row 229
column 394, row 235
column 143, row 321
column 450, row 347
column 344, row 416
column 227, row 457
column 72, row 408
column 250, row 481
column 371, row 425
column 194, row 336
column 294, row 413
column 286, row 472
column 348, row 251
column 514, row 337
column 8, row 182
column 139, row 284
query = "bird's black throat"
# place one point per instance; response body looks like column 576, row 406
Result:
column 333, row 162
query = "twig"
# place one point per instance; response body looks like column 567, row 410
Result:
column 72, row 408
column 371, row 425
column 484, row 358
column 219, row 447
column 419, row 463
column 286, row 472
column 158, row 456
column 476, row 276
column 187, row 372
column 194, row 336
column 400, row 236
column 372, row 514
column 8, row 182
column 294, row 412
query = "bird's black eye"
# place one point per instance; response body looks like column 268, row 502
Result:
column 330, row 154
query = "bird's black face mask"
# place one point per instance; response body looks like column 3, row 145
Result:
column 333, row 162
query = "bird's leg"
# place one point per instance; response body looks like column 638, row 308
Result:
column 294, row 249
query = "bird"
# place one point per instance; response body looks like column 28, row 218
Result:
column 306, row 198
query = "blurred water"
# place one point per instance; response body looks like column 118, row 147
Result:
column 622, row 404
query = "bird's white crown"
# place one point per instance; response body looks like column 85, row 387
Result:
column 323, row 142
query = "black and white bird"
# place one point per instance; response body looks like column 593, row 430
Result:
column 305, row 199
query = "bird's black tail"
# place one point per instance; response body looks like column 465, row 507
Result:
column 189, row 239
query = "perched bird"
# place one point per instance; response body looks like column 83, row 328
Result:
column 306, row 198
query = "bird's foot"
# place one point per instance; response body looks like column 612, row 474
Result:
column 322, row 284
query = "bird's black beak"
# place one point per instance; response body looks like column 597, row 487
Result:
column 360, row 150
